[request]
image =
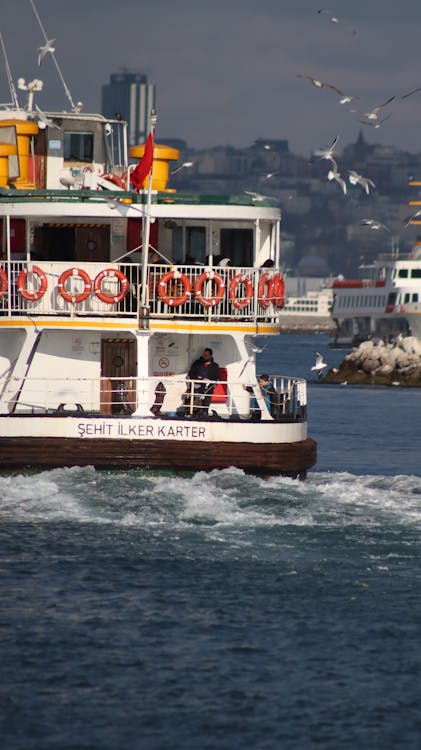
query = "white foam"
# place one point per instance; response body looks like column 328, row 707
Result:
column 226, row 500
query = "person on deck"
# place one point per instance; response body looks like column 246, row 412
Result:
column 205, row 372
column 269, row 394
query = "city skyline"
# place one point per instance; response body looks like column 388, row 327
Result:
column 231, row 73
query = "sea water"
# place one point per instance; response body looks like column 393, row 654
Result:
column 220, row 610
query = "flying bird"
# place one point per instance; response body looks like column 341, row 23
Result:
column 327, row 153
column 373, row 114
column 320, row 84
column 44, row 121
column 334, row 19
column 374, row 224
column 346, row 99
column 377, row 124
column 45, row 49
column 408, row 220
column 334, row 174
column 414, row 91
column 256, row 197
column 358, row 179
column 325, row 11
column 319, row 365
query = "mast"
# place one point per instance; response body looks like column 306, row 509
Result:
column 75, row 107
column 147, row 226
column 9, row 75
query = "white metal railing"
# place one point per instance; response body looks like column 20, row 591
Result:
column 173, row 396
column 114, row 289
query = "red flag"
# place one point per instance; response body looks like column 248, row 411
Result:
column 139, row 174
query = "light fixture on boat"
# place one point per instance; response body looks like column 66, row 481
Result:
column 185, row 165
column 31, row 87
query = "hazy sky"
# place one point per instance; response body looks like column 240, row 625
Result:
column 226, row 70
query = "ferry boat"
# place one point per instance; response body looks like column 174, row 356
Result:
column 384, row 302
column 308, row 305
column 107, row 295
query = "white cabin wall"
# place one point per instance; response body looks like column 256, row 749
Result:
column 60, row 355
column 11, row 343
column 263, row 252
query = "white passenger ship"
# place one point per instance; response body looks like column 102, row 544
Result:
column 308, row 305
column 384, row 302
column 96, row 340
column 386, row 299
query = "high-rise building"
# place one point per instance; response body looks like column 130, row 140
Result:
column 130, row 97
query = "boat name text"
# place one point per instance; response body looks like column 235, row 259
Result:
column 138, row 430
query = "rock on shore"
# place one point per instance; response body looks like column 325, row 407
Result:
column 380, row 363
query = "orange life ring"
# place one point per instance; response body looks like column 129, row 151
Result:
column 111, row 299
column 240, row 278
column 169, row 300
column 265, row 298
column 279, row 290
column 119, row 181
column 3, row 283
column 74, row 297
column 220, row 288
column 32, row 296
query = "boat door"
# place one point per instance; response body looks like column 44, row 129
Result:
column 73, row 242
column 118, row 376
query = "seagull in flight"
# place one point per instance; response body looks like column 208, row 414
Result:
column 346, row 99
column 334, row 174
column 256, row 197
column 358, row 179
column 325, row 11
column 373, row 114
column 45, row 49
column 414, row 91
column 44, row 121
column 416, row 215
column 320, row 84
column 377, row 124
column 319, row 365
column 327, row 153
column 374, row 224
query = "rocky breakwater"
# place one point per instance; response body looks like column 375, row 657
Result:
column 381, row 363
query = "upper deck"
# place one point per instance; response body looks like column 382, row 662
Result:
column 77, row 241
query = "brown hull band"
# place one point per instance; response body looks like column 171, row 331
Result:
column 290, row 459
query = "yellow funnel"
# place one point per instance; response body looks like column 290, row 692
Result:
column 162, row 155
column 24, row 131
column 6, row 150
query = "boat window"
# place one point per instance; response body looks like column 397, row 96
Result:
column 416, row 273
column 195, row 244
column 237, row 244
column 407, row 298
column 78, row 146
column 403, row 273
column 415, row 297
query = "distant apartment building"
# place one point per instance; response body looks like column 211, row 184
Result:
column 129, row 96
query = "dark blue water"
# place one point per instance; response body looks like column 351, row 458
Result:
column 222, row 611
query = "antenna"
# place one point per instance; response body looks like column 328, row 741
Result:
column 9, row 75
column 75, row 107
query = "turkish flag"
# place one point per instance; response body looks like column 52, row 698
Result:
column 139, row 174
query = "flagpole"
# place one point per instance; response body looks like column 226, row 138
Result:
column 147, row 224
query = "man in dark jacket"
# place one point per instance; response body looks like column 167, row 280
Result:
column 205, row 370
